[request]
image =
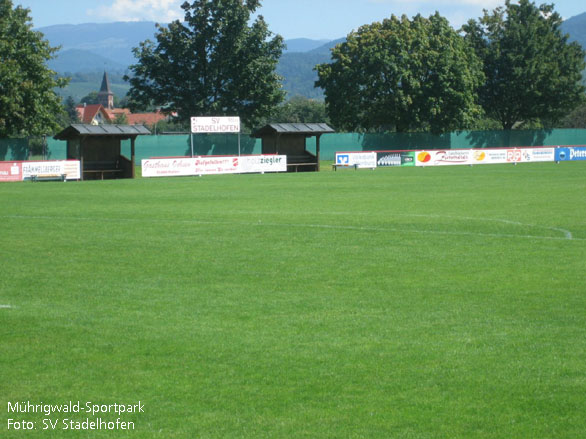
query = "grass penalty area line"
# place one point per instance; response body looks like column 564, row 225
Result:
column 567, row 234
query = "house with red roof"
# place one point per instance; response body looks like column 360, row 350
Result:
column 104, row 112
column 94, row 114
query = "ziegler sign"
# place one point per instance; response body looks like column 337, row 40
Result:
column 215, row 125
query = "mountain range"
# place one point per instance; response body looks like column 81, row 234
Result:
column 87, row 49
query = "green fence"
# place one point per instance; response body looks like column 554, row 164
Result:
column 227, row 144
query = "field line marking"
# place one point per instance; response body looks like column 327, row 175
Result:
column 6, row 307
column 317, row 226
column 567, row 234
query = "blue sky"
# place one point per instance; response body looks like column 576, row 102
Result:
column 317, row 19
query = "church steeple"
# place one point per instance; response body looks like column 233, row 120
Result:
column 105, row 95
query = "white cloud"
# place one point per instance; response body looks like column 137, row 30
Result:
column 162, row 11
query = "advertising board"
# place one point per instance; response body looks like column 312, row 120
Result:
column 215, row 125
column 565, row 154
column 176, row 167
column 71, row 169
column 395, row 158
column 20, row 170
column 262, row 163
column 10, row 171
column 360, row 159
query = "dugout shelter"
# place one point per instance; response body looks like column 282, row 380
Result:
column 290, row 139
column 99, row 149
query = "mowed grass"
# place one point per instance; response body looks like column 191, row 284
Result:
column 396, row 303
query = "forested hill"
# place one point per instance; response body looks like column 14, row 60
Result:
column 576, row 27
column 93, row 48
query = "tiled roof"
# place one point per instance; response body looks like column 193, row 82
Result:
column 122, row 131
column 87, row 113
column 294, row 128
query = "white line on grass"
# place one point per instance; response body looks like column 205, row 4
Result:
column 567, row 235
column 6, row 306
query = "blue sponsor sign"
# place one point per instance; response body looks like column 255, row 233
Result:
column 342, row 159
column 570, row 153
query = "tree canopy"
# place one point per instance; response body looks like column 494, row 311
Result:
column 402, row 75
column 214, row 63
column 28, row 104
column 532, row 72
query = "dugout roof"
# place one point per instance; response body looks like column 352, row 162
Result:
column 308, row 129
column 120, row 131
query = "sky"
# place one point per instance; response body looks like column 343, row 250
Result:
column 315, row 19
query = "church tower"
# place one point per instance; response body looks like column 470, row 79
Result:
column 105, row 95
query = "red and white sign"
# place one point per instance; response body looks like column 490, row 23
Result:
column 175, row 167
column 215, row 125
column 21, row 170
column 10, row 171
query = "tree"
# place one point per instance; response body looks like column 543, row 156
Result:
column 576, row 119
column 212, row 64
column 531, row 70
column 120, row 119
column 300, row 109
column 71, row 110
column 402, row 75
column 28, row 104
column 90, row 99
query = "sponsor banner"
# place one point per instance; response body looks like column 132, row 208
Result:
column 393, row 158
column 408, row 158
column 570, row 153
column 19, row 171
column 10, row 171
column 176, row 167
column 360, row 159
column 483, row 156
column 71, row 169
column 538, row 154
column 167, row 167
column 215, row 125
column 215, row 165
column 262, row 163
column 384, row 159
column 443, row 157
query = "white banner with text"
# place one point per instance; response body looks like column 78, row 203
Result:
column 215, row 125
column 185, row 166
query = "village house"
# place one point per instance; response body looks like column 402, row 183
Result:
column 104, row 111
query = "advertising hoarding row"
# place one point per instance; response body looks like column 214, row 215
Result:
column 483, row 156
column 450, row 157
column 186, row 166
column 20, row 171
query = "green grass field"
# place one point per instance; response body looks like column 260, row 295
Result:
column 397, row 303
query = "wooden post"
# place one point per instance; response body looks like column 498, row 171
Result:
column 317, row 150
column 81, row 143
column 132, row 156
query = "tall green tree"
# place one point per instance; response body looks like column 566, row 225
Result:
column 217, row 62
column 402, row 75
column 28, row 104
column 532, row 72
column 300, row 109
